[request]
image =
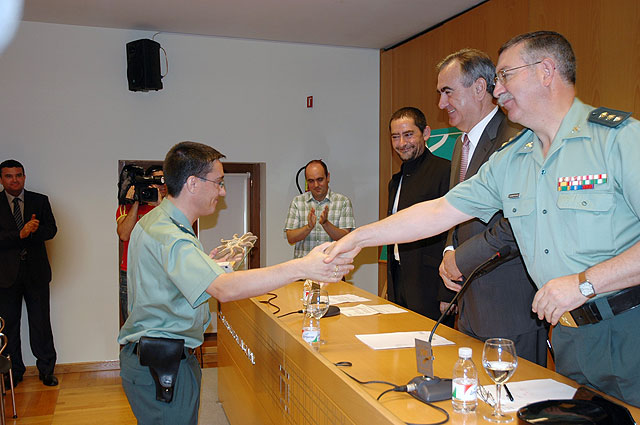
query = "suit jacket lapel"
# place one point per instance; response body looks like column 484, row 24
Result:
column 454, row 177
column 28, row 206
column 6, row 214
column 393, row 188
column 486, row 144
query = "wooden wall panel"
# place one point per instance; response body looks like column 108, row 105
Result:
column 385, row 153
column 486, row 27
column 606, row 41
column 408, row 75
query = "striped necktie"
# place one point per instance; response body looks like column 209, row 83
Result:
column 17, row 214
column 464, row 158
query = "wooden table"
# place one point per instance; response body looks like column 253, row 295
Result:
column 268, row 375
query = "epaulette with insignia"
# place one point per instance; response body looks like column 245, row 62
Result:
column 608, row 117
column 182, row 227
column 513, row 139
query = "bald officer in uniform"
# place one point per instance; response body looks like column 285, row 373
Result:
column 568, row 185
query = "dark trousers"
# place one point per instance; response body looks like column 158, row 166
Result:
column 140, row 389
column 36, row 297
column 124, row 306
column 531, row 345
column 419, row 295
column 603, row 355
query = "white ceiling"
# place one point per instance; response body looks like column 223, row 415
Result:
column 356, row 23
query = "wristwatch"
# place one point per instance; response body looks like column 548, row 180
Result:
column 586, row 288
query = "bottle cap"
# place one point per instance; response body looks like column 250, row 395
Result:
column 465, row 352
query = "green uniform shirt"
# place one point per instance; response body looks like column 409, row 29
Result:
column 168, row 274
column 575, row 208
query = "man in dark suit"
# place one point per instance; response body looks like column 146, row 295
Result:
column 498, row 303
column 412, row 272
column 26, row 222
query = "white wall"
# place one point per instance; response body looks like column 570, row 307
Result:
column 66, row 113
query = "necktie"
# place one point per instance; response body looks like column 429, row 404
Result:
column 17, row 214
column 464, row 158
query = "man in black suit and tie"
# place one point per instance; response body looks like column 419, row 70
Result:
column 26, row 222
column 412, row 268
column 498, row 303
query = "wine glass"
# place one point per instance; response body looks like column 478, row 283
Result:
column 500, row 361
column 318, row 304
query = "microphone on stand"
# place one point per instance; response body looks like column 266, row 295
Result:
column 428, row 387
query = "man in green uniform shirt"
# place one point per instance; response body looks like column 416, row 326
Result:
column 569, row 187
column 170, row 278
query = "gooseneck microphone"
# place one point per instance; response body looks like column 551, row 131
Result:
column 428, row 387
column 502, row 253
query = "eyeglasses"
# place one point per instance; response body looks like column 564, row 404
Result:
column 486, row 396
column 219, row 183
column 502, row 75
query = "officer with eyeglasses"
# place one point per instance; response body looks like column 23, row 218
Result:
column 170, row 279
column 568, row 186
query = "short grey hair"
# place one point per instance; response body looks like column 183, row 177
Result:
column 474, row 64
column 540, row 44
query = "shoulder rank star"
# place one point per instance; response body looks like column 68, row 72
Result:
column 513, row 139
column 182, row 227
column 608, row 117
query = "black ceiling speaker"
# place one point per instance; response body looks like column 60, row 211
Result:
column 143, row 65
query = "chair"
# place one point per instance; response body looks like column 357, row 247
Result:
column 5, row 368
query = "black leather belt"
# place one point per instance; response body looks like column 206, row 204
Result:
column 184, row 355
column 619, row 302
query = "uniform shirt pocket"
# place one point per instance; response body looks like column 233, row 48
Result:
column 517, row 208
column 519, row 211
column 589, row 219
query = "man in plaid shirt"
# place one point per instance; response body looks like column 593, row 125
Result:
column 318, row 215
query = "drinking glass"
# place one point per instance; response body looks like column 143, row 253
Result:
column 318, row 303
column 306, row 288
column 500, row 361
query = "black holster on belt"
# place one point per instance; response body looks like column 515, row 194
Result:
column 163, row 356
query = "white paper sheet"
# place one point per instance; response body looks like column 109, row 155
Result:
column 358, row 310
column 390, row 340
column 527, row 392
column 369, row 310
column 346, row 298
column 388, row 309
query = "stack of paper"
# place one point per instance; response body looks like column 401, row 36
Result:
column 368, row 310
column 527, row 392
column 400, row 339
column 347, row 298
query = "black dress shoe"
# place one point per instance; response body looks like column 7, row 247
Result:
column 49, row 380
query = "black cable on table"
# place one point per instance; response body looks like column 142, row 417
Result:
column 268, row 302
column 397, row 388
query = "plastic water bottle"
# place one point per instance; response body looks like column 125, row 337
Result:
column 308, row 285
column 464, row 395
column 311, row 330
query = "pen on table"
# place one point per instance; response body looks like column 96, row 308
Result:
column 509, row 395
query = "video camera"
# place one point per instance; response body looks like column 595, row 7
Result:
column 133, row 175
